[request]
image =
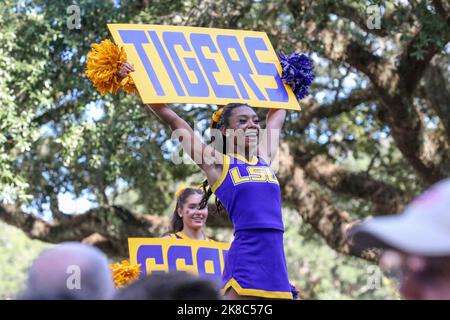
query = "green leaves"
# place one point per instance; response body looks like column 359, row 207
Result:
column 42, row 77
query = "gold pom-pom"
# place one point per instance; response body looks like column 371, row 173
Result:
column 124, row 273
column 183, row 187
column 103, row 64
column 128, row 85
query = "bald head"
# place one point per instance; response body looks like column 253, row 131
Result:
column 70, row 271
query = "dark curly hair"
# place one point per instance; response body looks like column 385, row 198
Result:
column 224, row 122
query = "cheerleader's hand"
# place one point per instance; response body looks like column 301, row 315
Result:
column 125, row 70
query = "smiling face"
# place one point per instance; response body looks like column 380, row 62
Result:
column 242, row 127
column 193, row 217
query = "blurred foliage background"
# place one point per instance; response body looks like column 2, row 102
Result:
column 76, row 166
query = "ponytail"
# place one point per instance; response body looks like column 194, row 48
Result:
column 220, row 119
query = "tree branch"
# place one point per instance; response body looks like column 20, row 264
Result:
column 386, row 198
column 443, row 9
column 312, row 110
column 411, row 68
column 410, row 136
column 353, row 15
column 413, row 64
column 336, row 47
column 437, row 91
column 315, row 209
column 107, row 228
column 339, row 48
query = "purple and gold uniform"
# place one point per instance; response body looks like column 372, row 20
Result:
column 178, row 235
column 255, row 264
column 181, row 235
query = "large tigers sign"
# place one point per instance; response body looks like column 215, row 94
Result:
column 201, row 65
column 163, row 254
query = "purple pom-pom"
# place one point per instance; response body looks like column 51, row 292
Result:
column 297, row 71
column 294, row 292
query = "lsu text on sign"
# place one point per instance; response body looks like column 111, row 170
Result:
column 163, row 254
column 206, row 66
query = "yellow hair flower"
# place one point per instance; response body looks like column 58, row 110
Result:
column 103, row 63
column 199, row 186
column 216, row 115
column 124, row 273
column 180, row 190
column 183, row 187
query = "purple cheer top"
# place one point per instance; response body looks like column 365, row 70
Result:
column 250, row 192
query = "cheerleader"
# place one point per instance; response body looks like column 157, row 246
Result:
column 238, row 172
column 248, row 189
column 188, row 219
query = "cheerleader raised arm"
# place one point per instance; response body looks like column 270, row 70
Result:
column 205, row 156
column 241, row 178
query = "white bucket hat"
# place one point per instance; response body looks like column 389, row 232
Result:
column 422, row 229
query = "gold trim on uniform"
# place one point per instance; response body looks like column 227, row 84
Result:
column 226, row 166
column 256, row 292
